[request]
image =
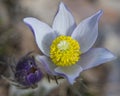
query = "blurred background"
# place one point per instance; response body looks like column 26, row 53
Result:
column 16, row 40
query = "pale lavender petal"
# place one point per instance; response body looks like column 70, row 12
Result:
column 47, row 64
column 87, row 31
column 44, row 35
column 64, row 22
column 95, row 57
column 70, row 73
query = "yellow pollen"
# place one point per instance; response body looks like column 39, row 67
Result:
column 64, row 51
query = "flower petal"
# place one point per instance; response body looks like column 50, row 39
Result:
column 87, row 31
column 44, row 35
column 94, row 57
column 47, row 64
column 31, row 79
column 71, row 72
column 39, row 75
column 64, row 23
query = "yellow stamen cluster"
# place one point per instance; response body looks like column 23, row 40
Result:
column 65, row 51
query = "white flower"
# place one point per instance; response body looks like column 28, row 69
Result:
column 67, row 47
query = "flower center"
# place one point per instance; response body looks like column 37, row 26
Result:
column 63, row 45
column 64, row 51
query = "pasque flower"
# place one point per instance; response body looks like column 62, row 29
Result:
column 67, row 47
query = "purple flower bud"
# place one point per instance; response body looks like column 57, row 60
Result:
column 27, row 72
